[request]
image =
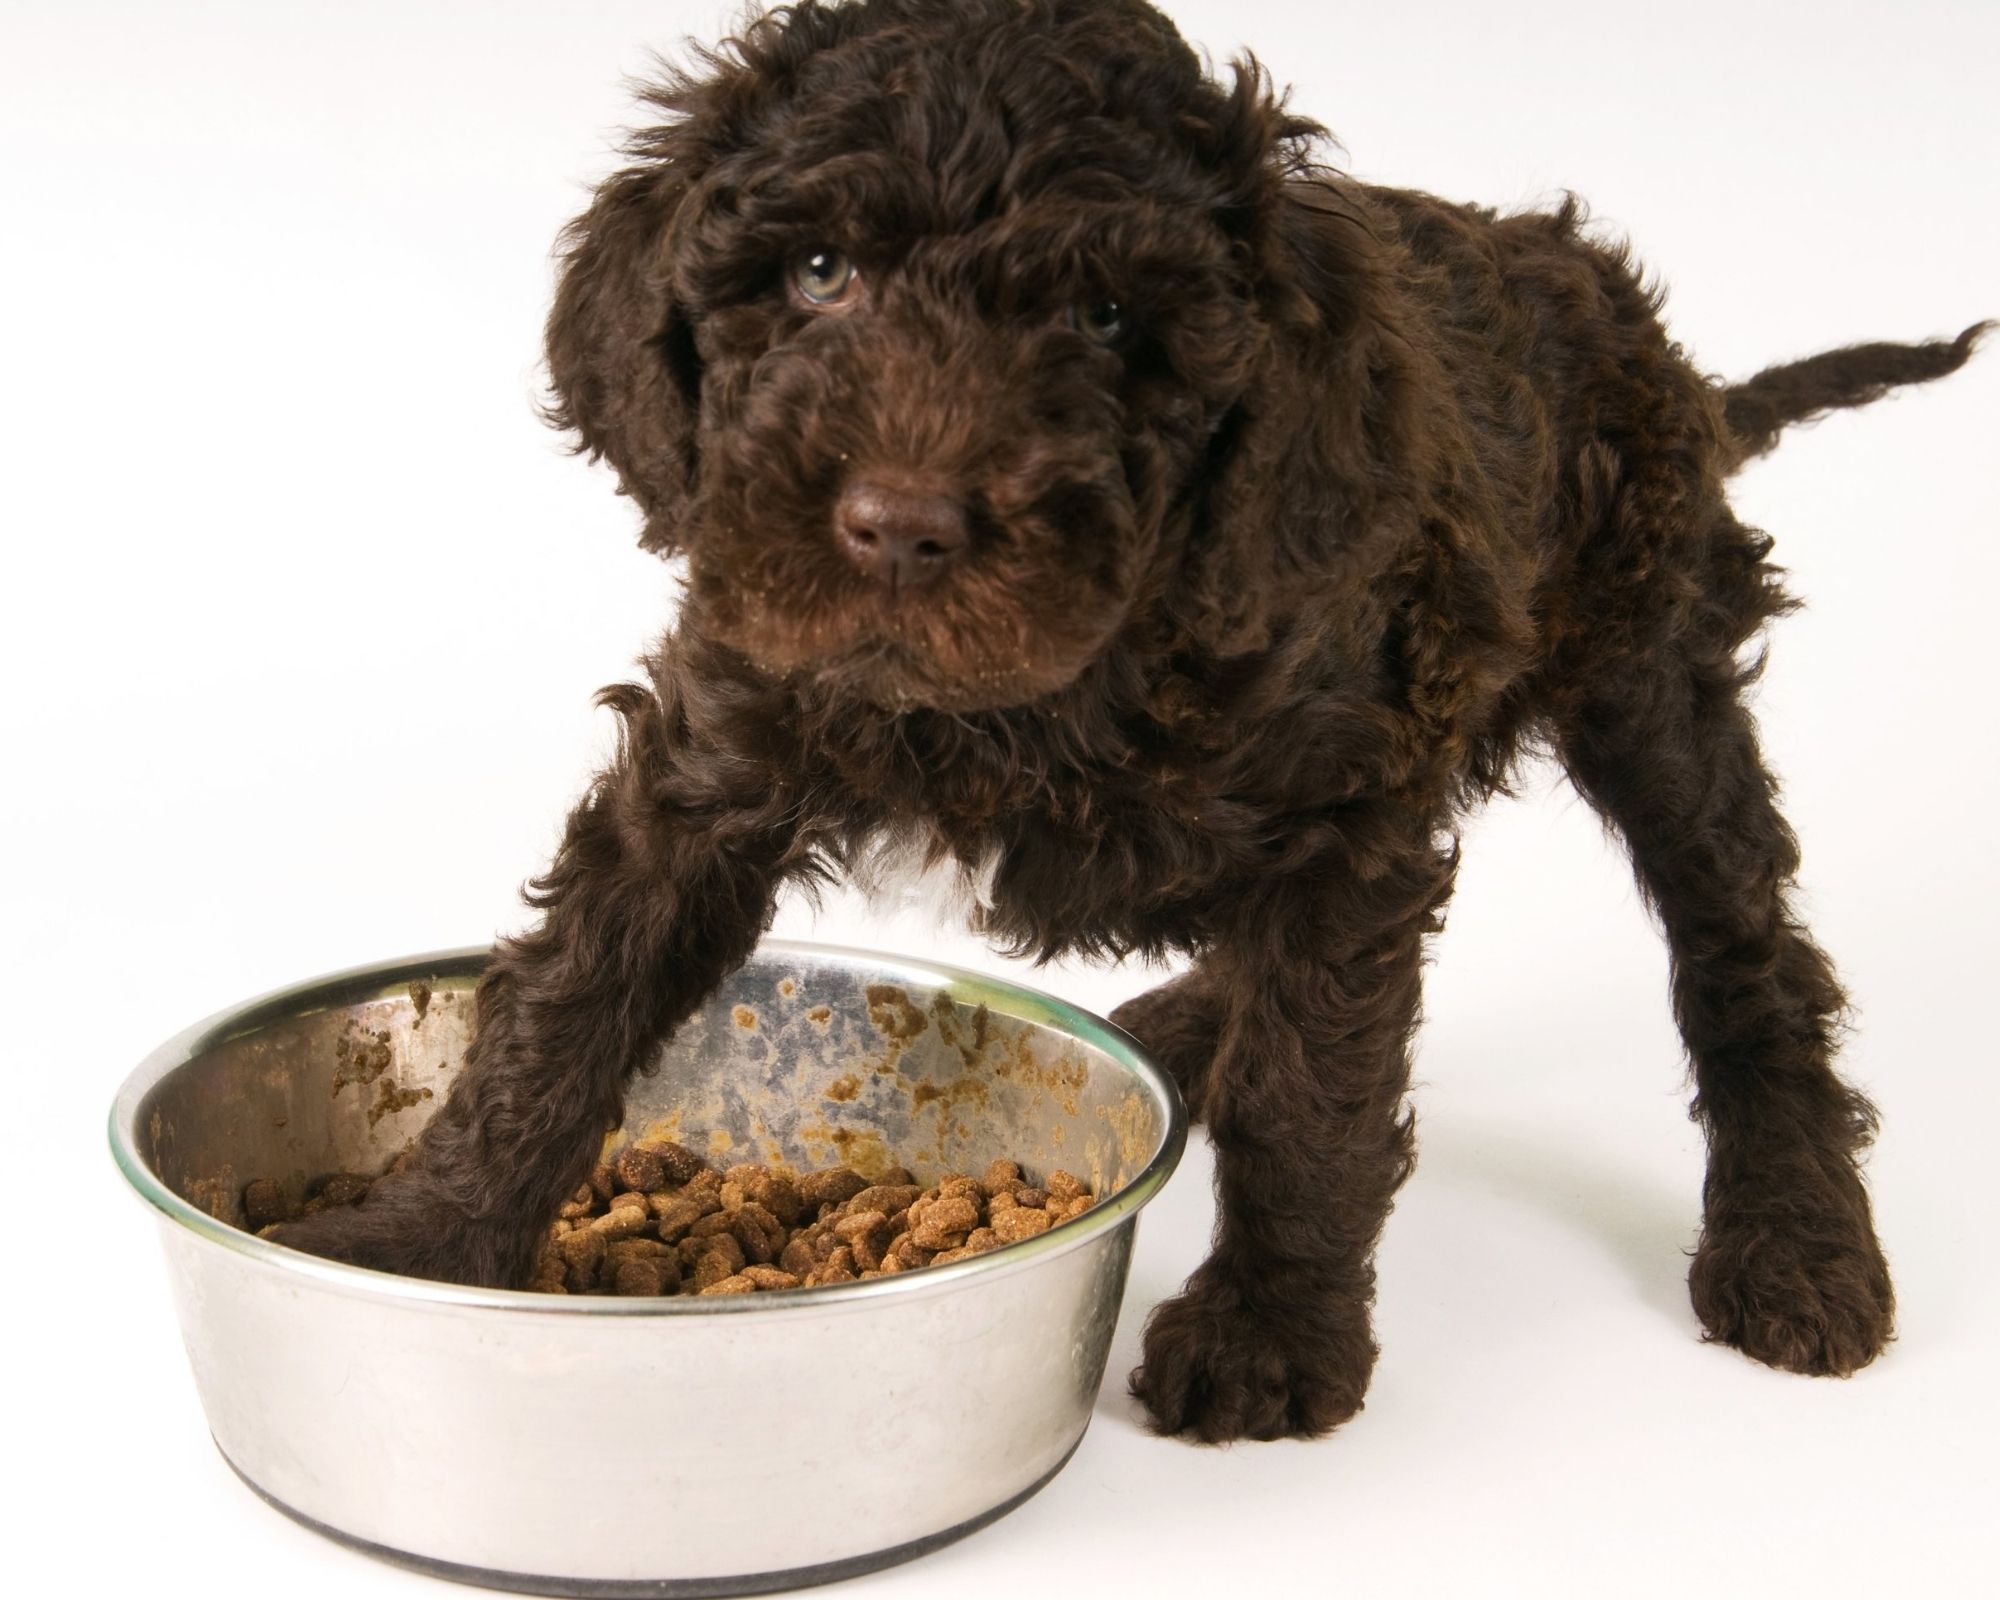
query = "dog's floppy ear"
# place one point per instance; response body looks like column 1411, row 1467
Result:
column 621, row 359
column 1288, row 475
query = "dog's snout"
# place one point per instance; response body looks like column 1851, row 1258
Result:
column 900, row 537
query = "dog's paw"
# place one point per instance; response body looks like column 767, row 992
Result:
column 352, row 1235
column 1811, row 1298
column 1216, row 1369
column 1178, row 1023
column 397, row 1232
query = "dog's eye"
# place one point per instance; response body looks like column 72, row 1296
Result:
column 823, row 276
column 1102, row 323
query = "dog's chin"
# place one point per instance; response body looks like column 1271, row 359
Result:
column 904, row 659
column 887, row 676
column 896, row 677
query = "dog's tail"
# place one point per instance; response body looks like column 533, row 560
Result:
column 1761, row 408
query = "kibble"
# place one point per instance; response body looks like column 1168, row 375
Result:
column 640, row 1169
column 657, row 1219
column 646, row 1276
column 265, row 1203
column 621, row 1222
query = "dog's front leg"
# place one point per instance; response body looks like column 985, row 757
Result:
column 1305, row 1104
column 663, row 883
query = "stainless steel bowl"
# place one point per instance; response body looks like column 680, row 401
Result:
column 664, row 1446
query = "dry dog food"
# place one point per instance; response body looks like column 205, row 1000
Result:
column 657, row 1219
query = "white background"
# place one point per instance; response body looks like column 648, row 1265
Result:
column 303, row 609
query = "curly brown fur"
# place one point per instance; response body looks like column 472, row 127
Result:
column 1799, row 391
column 1371, row 495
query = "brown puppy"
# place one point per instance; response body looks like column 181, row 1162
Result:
column 1081, row 485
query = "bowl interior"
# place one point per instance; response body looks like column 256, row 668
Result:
column 807, row 1057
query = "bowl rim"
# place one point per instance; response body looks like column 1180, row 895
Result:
column 382, row 979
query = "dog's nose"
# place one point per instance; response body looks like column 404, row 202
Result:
column 900, row 537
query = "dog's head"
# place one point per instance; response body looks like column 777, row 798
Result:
column 951, row 338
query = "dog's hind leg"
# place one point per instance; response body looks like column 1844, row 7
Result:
column 1656, row 735
column 1180, row 1023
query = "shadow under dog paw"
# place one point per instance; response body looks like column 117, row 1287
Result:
column 1647, row 1227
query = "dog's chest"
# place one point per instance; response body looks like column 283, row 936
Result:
column 1094, row 862
column 1102, row 835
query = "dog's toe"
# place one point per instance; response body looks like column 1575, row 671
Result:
column 1812, row 1301
column 1216, row 1370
